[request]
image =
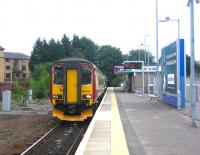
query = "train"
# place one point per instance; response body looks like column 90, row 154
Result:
column 75, row 87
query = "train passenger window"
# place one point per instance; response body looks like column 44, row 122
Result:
column 86, row 75
column 58, row 75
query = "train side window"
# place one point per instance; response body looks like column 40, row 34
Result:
column 86, row 75
column 58, row 75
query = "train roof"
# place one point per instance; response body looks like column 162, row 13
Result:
column 77, row 60
column 74, row 59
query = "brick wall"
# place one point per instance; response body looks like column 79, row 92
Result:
column 16, row 69
column 137, row 83
column 1, row 66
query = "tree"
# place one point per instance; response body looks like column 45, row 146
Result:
column 40, row 80
column 67, row 45
column 187, row 65
column 51, row 51
column 89, row 49
column 46, row 52
column 84, row 48
column 117, row 80
column 125, row 57
column 38, row 53
column 55, row 51
column 107, row 58
column 76, row 42
column 76, row 48
column 139, row 54
column 77, row 53
column 197, row 66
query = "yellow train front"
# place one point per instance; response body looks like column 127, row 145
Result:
column 76, row 85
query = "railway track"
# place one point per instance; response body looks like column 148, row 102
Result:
column 63, row 139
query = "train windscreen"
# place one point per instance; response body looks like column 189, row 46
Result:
column 86, row 75
column 58, row 75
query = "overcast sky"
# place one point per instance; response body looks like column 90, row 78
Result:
column 120, row 23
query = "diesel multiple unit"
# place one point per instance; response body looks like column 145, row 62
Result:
column 76, row 85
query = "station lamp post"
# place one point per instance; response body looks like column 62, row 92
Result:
column 147, row 57
column 145, row 47
column 190, row 4
column 157, row 48
column 140, row 48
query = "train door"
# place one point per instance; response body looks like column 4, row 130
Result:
column 72, row 85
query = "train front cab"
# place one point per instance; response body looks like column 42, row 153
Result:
column 72, row 91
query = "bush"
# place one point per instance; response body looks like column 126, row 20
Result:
column 40, row 88
column 40, row 80
column 117, row 80
column 16, row 97
column 20, row 91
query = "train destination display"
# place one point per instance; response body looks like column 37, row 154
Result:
column 132, row 65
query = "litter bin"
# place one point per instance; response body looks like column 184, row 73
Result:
column 6, row 100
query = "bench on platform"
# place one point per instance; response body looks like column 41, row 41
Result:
column 153, row 98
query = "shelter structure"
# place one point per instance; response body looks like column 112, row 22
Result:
column 136, row 73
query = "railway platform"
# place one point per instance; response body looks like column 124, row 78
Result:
column 129, row 124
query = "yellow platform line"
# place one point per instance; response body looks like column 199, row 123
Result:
column 118, row 140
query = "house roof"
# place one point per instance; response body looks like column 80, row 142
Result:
column 11, row 55
column 1, row 48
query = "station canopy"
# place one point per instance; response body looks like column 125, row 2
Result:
column 135, row 66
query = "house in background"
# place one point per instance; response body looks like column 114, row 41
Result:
column 1, row 64
column 16, row 66
column 13, row 66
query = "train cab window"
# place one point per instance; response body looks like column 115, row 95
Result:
column 86, row 75
column 58, row 75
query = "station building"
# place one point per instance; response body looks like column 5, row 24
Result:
column 136, row 75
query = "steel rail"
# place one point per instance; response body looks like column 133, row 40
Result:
column 76, row 142
column 39, row 141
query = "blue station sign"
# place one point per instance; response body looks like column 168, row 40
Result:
column 169, row 73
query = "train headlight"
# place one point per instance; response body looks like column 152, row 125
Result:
column 87, row 96
column 56, row 96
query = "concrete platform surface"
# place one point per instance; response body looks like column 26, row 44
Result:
column 156, row 128
column 105, row 134
column 150, row 128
